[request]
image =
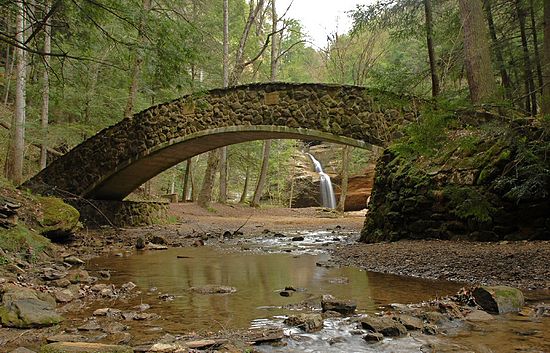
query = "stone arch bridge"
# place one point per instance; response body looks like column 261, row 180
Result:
column 118, row 159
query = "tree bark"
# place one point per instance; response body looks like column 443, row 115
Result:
column 263, row 175
column 477, row 56
column 184, row 193
column 546, row 56
column 345, row 175
column 138, row 62
column 431, row 50
column 536, row 45
column 223, row 151
column 205, row 195
column 245, row 187
column 530, row 91
column 15, row 157
column 497, row 48
column 45, row 90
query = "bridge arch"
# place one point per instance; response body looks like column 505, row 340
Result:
column 115, row 161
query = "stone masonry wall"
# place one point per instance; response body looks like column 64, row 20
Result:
column 371, row 116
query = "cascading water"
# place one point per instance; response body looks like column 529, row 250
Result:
column 327, row 193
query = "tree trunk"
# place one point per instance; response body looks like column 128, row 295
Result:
column 136, row 69
column 184, row 193
column 14, row 160
column 223, row 151
column 205, row 195
column 263, row 175
column 45, row 90
column 497, row 47
column 546, row 56
column 431, row 51
column 345, row 174
column 274, row 51
column 536, row 45
column 245, row 187
column 223, row 174
column 530, row 91
column 477, row 55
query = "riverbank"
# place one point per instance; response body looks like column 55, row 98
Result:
column 80, row 289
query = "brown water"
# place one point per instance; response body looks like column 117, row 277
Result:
column 260, row 274
column 258, row 279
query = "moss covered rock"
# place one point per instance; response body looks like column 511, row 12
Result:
column 499, row 299
column 58, row 219
column 487, row 182
column 27, row 308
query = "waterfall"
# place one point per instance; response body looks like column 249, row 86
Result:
column 327, row 193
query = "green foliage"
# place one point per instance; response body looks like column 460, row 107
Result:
column 426, row 137
column 468, row 203
column 22, row 240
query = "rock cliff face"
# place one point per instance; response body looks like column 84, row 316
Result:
column 306, row 191
column 490, row 182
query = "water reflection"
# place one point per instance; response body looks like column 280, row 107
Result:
column 258, row 279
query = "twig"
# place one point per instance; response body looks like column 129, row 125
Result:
column 245, row 222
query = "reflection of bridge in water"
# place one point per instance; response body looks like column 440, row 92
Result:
column 117, row 160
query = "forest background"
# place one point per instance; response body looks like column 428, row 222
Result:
column 69, row 68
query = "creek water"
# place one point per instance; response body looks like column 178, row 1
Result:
column 259, row 269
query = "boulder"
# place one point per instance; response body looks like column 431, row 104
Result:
column 411, row 323
column 306, row 322
column 344, row 307
column 26, row 308
column 384, row 325
column 499, row 299
column 373, row 337
column 82, row 347
column 59, row 220
column 479, row 315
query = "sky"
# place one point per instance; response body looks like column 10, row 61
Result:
column 320, row 17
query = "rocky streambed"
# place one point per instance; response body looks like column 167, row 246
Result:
column 276, row 292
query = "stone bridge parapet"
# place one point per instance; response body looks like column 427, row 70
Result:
column 118, row 159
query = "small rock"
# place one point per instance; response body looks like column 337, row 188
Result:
column 479, row 315
column 285, row 293
column 142, row 307
column 108, row 293
column 128, row 286
column 79, row 276
column 152, row 246
column 73, row 260
column 499, row 299
column 64, row 296
column 164, row 347
column 50, row 274
column 140, row 243
column 80, row 347
column 344, row 307
column 213, row 289
column 306, row 322
column 157, row 239
column 64, row 337
column 63, row 283
column 114, row 327
column 167, row 297
column 104, row 274
column 91, row 325
column 201, row 344
column 98, row 287
column 198, row 242
column 373, row 337
column 383, row 325
column 101, row 312
column 429, row 329
column 298, row 238
column 411, row 323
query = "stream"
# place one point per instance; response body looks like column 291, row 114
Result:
column 261, row 268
